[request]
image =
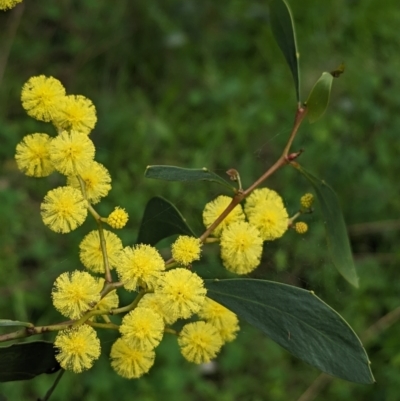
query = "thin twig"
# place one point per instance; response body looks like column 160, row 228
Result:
column 52, row 388
column 15, row 19
column 282, row 161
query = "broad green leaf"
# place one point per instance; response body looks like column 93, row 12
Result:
column 282, row 26
column 336, row 232
column 24, row 361
column 173, row 173
column 318, row 99
column 161, row 219
column 298, row 321
column 14, row 323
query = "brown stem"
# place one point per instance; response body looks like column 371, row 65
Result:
column 32, row 331
column 283, row 160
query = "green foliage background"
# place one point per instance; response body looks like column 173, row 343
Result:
column 204, row 84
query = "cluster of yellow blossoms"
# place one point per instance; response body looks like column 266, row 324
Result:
column 163, row 294
column 164, row 291
column 241, row 235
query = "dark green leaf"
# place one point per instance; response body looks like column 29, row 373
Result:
column 336, row 232
column 282, row 26
column 173, row 173
column 14, row 323
column 298, row 321
column 161, row 219
column 318, row 99
column 24, row 361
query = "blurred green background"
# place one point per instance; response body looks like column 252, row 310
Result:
column 199, row 84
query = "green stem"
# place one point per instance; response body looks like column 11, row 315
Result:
column 110, row 326
column 293, row 218
column 170, row 331
column 97, row 217
column 108, row 277
column 131, row 306
column 52, row 388
column 108, row 287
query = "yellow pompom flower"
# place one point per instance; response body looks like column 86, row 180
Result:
column 265, row 210
column 117, row 218
column 97, row 182
column 186, row 249
column 7, row 4
column 142, row 328
column 140, row 265
column 130, row 362
column 63, row 209
column 241, row 247
column 78, row 348
column 76, row 113
column 214, row 209
column 301, row 227
column 181, row 293
column 260, row 198
column 41, row 97
column 225, row 321
column 152, row 301
column 71, row 152
column 307, row 200
column 32, row 155
column 75, row 293
column 91, row 254
column 199, row 342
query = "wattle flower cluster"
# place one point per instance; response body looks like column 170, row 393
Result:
column 162, row 294
column 243, row 232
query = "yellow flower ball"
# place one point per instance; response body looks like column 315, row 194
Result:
column 78, row 348
column 91, row 254
column 142, row 328
column 130, row 362
column 41, row 97
column 33, row 157
column 153, row 301
column 181, row 293
column 301, row 227
column 72, row 153
column 186, row 249
column 63, row 209
column 76, row 113
column 225, row 321
column 140, row 265
column 199, row 342
column 97, row 182
column 265, row 211
column 241, row 247
column 307, row 200
column 117, row 218
column 75, row 293
column 214, row 209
